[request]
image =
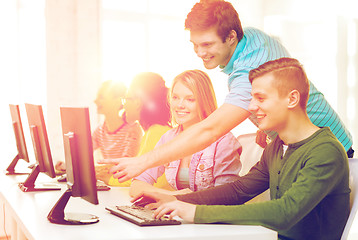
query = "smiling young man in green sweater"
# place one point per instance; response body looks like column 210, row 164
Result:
column 305, row 168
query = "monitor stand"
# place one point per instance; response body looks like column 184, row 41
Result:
column 58, row 216
column 39, row 187
column 16, row 173
column 11, row 168
column 29, row 184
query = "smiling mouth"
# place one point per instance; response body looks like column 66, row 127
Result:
column 206, row 59
column 181, row 114
column 260, row 117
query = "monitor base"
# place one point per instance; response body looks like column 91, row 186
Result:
column 80, row 218
column 16, row 173
column 74, row 219
column 58, row 216
column 39, row 187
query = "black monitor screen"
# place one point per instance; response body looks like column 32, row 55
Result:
column 80, row 171
column 20, row 139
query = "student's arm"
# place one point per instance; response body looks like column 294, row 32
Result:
column 316, row 179
column 148, row 142
column 235, row 193
column 184, row 210
column 194, row 139
column 238, row 192
column 320, row 174
column 144, row 182
column 138, row 187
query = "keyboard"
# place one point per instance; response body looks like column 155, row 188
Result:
column 101, row 186
column 140, row 216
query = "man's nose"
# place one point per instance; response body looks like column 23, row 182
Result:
column 252, row 106
column 200, row 52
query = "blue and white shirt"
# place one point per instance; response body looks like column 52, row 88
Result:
column 256, row 48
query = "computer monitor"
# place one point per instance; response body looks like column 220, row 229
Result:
column 20, row 141
column 80, row 171
column 42, row 151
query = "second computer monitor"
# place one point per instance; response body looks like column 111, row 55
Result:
column 42, row 151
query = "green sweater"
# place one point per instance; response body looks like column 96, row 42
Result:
column 309, row 187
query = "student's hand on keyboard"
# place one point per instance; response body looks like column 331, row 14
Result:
column 152, row 200
column 184, row 210
column 144, row 201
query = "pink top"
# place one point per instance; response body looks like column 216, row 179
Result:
column 215, row 165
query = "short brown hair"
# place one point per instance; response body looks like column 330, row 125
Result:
column 208, row 13
column 289, row 75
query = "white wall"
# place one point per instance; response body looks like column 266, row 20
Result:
column 73, row 61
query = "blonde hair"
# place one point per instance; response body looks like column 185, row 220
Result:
column 200, row 84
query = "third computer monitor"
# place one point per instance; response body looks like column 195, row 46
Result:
column 80, row 171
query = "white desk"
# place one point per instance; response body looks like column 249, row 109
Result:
column 28, row 216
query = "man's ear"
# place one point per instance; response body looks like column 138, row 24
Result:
column 293, row 99
column 232, row 37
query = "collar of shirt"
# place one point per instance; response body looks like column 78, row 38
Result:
column 294, row 146
column 239, row 48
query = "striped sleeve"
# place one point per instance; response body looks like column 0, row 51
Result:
column 124, row 142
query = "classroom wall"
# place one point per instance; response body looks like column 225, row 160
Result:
column 73, row 61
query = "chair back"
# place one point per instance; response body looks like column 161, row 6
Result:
column 353, row 184
column 250, row 155
column 251, row 152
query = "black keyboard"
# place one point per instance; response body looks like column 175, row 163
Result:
column 140, row 216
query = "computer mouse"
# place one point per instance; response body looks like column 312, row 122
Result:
column 62, row 178
column 31, row 166
column 142, row 202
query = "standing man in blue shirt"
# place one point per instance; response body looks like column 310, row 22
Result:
column 219, row 40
